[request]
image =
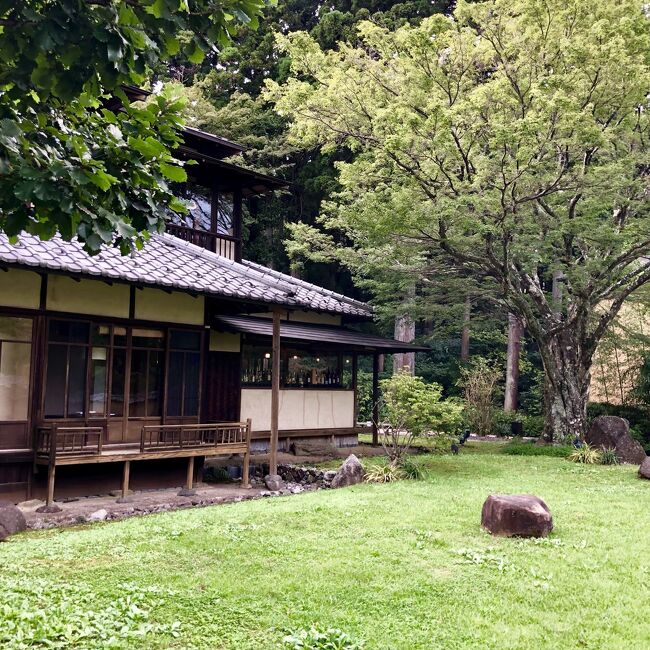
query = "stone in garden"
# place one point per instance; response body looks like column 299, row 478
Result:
column 644, row 470
column 612, row 432
column 12, row 520
column 516, row 515
column 274, row 482
column 98, row 515
column 350, row 473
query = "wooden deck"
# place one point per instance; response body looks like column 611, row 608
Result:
column 63, row 445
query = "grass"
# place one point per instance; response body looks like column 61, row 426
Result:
column 403, row 565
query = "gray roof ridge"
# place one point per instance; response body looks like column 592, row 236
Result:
column 307, row 285
column 261, row 273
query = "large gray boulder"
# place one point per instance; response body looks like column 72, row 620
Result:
column 274, row 482
column 516, row 515
column 12, row 520
column 612, row 432
column 350, row 473
column 644, row 470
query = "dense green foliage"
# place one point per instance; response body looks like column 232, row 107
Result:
column 507, row 145
column 75, row 158
column 519, row 448
column 403, row 565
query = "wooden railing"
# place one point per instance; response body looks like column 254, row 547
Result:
column 194, row 436
column 55, row 440
column 223, row 245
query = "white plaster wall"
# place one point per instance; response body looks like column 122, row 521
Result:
column 20, row 289
column 299, row 409
column 175, row 307
column 90, row 297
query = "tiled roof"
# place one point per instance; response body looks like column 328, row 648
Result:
column 170, row 263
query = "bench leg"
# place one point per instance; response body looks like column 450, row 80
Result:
column 188, row 490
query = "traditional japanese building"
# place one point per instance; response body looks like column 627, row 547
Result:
column 118, row 371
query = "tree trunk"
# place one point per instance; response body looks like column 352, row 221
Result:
column 404, row 331
column 515, row 331
column 464, row 336
column 566, row 390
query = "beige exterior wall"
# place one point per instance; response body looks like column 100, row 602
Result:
column 224, row 342
column 20, row 289
column 299, row 409
column 158, row 305
column 91, row 297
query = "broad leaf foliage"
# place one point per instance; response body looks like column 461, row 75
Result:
column 75, row 157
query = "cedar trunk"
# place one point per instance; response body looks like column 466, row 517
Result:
column 511, row 397
column 566, row 392
column 404, row 331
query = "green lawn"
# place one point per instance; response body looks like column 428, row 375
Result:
column 402, row 565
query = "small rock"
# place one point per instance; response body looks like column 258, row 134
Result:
column 329, row 475
column 12, row 520
column 274, row 482
column 516, row 515
column 644, row 470
column 31, row 505
column 184, row 492
column 296, row 489
column 98, row 515
column 612, row 432
column 350, row 473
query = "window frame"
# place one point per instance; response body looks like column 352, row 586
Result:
column 32, row 347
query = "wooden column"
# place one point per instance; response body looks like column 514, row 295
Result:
column 275, row 393
column 51, row 475
column 126, row 475
column 375, row 398
column 190, row 473
column 245, row 480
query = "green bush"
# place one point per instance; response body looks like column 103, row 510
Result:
column 609, row 457
column 586, row 454
column 418, row 407
column 520, row 448
column 384, row 473
column 411, row 469
column 314, row 639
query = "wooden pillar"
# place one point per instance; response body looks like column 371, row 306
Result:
column 275, row 393
column 375, row 398
column 190, row 473
column 51, row 475
column 245, row 479
column 126, row 474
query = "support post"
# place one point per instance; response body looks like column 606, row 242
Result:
column 51, row 475
column 188, row 490
column 375, row 399
column 275, row 393
column 126, row 475
column 245, row 479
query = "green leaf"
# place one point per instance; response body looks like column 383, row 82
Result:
column 101, row 179
column 173, row 172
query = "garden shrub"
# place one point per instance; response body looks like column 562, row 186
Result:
column 384, row 473
column 609, row 457
column 315, row 639
column 479, row 382
column 586, row 454
column 411, row 408
column 520, row 448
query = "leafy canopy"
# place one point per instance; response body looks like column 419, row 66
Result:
column 508, row 142
column 75, row 157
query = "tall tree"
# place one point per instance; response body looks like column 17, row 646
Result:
column 518, row 132
column 511, row 391
column 71, row 161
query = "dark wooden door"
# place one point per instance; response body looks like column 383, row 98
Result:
column 223, row 387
